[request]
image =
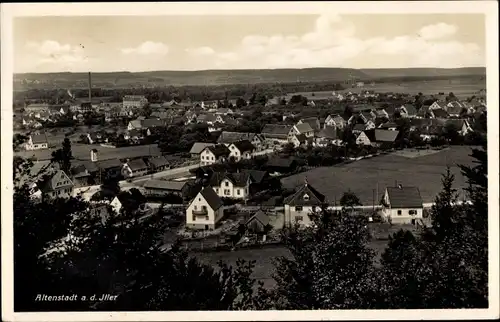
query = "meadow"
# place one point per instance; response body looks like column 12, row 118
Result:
column 369, row 177
column 264, row 257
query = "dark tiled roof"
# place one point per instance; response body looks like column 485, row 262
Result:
column 212, row 198
column 261, row 217
column 411, row 109
column 158, row 161
column 219, row 150
column 108, row 164
column 328, row 132
column 275, row 129
column 440, row 113
column 304, row 127
column 39, row 138
column 137, row 164
column 312, row 121
column 298, row 198
column 385, row 135
column 301, row 137
column 244, row 146
column 198, row 147
column 238, row 179
column 256, row 176
column 404, row 197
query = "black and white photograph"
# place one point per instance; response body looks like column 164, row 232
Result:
column 243, row 161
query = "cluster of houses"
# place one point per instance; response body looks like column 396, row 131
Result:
column 399, row 205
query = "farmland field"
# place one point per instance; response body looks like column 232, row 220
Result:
column 365, row 176
column 461, row 88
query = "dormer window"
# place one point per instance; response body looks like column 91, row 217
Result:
column 306, row 197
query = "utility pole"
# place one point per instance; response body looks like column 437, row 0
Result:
column 373, row 200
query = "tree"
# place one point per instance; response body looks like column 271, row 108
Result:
column 240, row 102
column 350, row 200
column 451, row 133
column 63, row 156
column 449, row 261
column 147, row 111
column 330, row 266
column 296, row 99
column 399, row 285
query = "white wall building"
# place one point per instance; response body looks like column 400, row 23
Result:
column 402, row 205
column 205, row 210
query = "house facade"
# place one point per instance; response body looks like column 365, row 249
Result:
column 241, row 150
column 59, row 185
column 303, row 128
column 402, row 205
column 302, row 205
column 205, row 211
column 227, row 138
column 335, row 120
column 159, row 188
column 134, row 168
column 363, row 139
column 275, row 134
column 37, row 142
column 135, row 101
column 231, row 185
column 214, row 154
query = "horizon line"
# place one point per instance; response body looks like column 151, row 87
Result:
column 246, row 69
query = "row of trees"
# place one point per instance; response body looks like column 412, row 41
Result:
column 331, row 264
column 162, row 93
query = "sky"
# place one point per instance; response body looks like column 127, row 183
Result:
column 146, row 43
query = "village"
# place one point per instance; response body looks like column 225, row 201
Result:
column 219, row 177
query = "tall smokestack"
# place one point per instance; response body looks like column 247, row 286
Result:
column 90, row 88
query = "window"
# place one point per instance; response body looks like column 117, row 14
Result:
column 227, row 192
column 306, row 197
column 217, row 190
column 238, row 192
column 204, row 208
column 227, row 184
column 206, row 218
column 213, row 158
column 299, row 218
column 298, row 208
column 399, row 212
column 194, row 217
column 412, row 212
column 195, row 207
column 199, row 199
column 202, row 157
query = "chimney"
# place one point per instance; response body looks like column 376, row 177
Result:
column 93, row 155
column 90, row 88
column 305, row 181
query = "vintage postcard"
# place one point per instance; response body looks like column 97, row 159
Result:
column 250, row 161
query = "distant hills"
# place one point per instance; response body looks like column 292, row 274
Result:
column 243, row 76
